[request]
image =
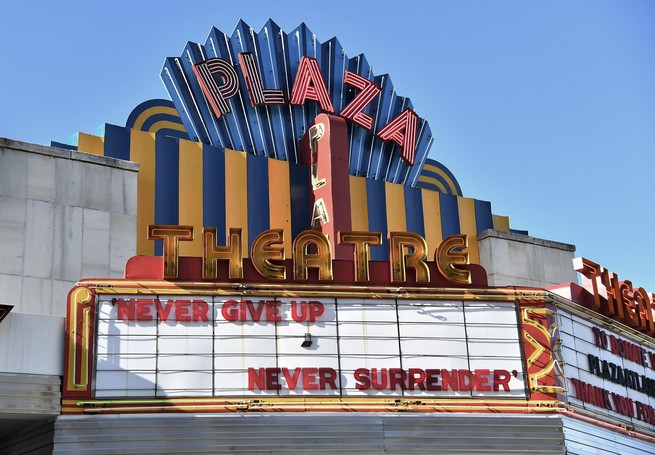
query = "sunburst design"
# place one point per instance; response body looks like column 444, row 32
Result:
column 275, row 131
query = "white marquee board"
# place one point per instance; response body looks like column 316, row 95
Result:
column 360, row 347
column 590, row 352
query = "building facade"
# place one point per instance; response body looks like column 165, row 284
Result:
column 269, row 262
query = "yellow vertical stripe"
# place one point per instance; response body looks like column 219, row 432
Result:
column 142, row 151
column 279, row 200
column 236, row 195
column 358, row 203
column 394, row 194
column 191, row 201
column 467, row 225
column 501, row 223
column 91, row 144
column 431, row 220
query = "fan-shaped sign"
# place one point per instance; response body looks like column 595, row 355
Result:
column 260, row 92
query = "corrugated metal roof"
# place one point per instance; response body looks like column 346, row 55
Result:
column 309, row 433
column 584, row 438
column 29, row 394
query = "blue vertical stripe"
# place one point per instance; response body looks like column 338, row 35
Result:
column 259, row 218
column 483, row 217
column 117, row 142
column 414, row 210
column 167, row 182
column 377, row 217
column 300, row 209
column 449, row 215
column 213, row 190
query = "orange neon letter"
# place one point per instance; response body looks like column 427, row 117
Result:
column 269, row 245
column 362, row 254
column 448, row 258
column 400, row 258
column 171, row 235
column 302, row 260
column 212, row 253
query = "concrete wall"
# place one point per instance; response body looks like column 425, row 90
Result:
column 520, row 260
column 64, row 215
column 32, row 344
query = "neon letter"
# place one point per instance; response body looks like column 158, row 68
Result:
column 362, row 241
column 171, row 235
column 258, row 95
column 212, row 253
column 400, row 258
column 309, row 84
column 447, row 259
column 402, row 131
column 354, row 110
column 302, row 260
column 269, row 245
column 215, row 93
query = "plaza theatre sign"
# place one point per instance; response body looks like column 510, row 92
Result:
column 312, row 250
column 259, row 93
column 308, row 85
column 186, row 337
column 312, row 368
column 351, row 311
column 227, row 329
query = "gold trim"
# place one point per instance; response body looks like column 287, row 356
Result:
column 540, row 349
column 216, row 404
column 81, row 296
column 150, row 287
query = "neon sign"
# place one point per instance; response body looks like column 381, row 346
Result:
column 308, row 85
column 615, row 298
column 312, row 250
column 360, row 347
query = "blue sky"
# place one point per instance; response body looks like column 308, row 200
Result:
column 546, row 109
